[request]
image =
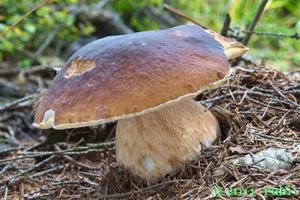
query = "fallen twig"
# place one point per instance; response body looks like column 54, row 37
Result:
column 181, row 14
column 25, row 101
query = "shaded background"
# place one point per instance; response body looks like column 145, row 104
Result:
column 54, row 31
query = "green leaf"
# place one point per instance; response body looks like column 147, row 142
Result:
column 30, row 28
column 25, row 63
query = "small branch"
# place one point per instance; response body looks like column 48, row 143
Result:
column 181, row 14
column 32, row 70
column 279, row 124
column 254, row 22
column 162, row 18
column 47, row 171
column 5, row 168
column 270, row 137
column 77, row 163
column 282, row 95
column 18, row 177
column 77, row 150
column 80, row 164
column 5, row 194
column 143, row 190
column 7, row 150
column 226, row 25
column 18, row 102
column 295, row 36
column 221, row 97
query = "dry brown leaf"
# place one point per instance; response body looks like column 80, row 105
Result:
column 239, row 149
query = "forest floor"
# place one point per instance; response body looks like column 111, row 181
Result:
column 258, row 154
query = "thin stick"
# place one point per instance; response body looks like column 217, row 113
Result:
column 282, row 95
column 5, row 194
column 17, row 102
column 226, row 25
column 24, row 16
column 295, row 35
column 7, row 150
column 77, row 149
column 269, row 137
column 254, row 22
column 69, row 159
column 138, row 191
column 4, row 169
column 47, row 171
column 80, row 164
column 181, row 14
column 18, row 177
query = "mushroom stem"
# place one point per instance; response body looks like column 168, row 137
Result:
column 157, row 143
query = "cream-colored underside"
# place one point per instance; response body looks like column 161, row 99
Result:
column 232, row 48
column 158, row 143
column 49, row 116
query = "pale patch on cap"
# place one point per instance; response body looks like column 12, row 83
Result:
column 232, row 48
column 76, row 67
column 177, row 33
column 48, row 120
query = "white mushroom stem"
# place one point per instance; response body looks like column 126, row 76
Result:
column 157, row 143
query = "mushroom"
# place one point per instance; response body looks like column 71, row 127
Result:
column 146, row 81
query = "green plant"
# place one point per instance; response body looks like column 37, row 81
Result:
column 52, row 18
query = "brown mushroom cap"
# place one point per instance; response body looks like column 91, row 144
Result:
column 123, row 76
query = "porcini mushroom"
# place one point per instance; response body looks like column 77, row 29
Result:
column 147, row 82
